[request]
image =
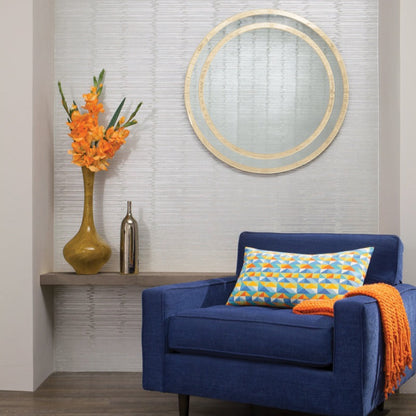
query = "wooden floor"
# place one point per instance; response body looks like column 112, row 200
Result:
column 120, row 394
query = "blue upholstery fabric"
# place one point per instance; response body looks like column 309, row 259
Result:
column 352, row 386
column 253, row 333
column 159, row 304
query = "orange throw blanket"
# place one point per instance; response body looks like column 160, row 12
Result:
column 398, row 353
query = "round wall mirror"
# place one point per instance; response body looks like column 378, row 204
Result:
column 266, row 91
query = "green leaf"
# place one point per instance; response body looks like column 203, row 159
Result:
column 64, row 104
column 116, row 114
column 98, row 82
column 135, row 112
column 101, row 77
column 130, row 123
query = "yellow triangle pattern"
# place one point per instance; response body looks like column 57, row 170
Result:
column 278, row 279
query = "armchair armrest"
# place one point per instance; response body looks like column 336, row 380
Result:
column 408, row 294
column 159, row 303
column 359, row 344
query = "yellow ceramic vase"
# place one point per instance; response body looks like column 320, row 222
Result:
column 87, row 252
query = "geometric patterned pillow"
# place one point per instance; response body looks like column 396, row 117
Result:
column 271, row 278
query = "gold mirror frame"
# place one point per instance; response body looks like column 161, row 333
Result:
column 292, row 24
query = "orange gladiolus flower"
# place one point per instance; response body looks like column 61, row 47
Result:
column 92, row 144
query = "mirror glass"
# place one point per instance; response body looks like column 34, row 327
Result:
column 266, row 91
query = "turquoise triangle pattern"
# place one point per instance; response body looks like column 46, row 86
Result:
column 284, row 279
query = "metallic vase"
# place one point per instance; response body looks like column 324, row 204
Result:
column 129, row 244
column 87, row 252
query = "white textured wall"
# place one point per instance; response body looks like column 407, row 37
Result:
column 191, row 207
column 180, row 192
column 98, row 328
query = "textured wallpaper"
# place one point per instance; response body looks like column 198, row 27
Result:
column 191, row 207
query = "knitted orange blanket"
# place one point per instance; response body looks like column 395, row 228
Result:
column 396, row 328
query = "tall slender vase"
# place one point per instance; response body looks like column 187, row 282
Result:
column 87, row 252
column 129, row 244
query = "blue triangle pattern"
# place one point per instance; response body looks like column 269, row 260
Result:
column 285, row 279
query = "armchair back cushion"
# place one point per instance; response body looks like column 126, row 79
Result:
column 386, row 260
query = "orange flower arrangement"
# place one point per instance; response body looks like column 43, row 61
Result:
column 93, row 144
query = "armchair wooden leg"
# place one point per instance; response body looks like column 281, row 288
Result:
column 183, row 404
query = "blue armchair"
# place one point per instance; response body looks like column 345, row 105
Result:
column 196, row 345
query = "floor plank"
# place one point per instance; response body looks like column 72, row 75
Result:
column 120, row 394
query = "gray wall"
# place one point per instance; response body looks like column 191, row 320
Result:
column 26, row 185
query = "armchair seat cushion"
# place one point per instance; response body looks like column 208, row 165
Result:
column 253, row 333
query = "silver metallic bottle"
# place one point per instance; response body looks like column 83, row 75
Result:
column 129, row 244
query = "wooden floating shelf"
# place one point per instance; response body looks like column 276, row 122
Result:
column 143, row 279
